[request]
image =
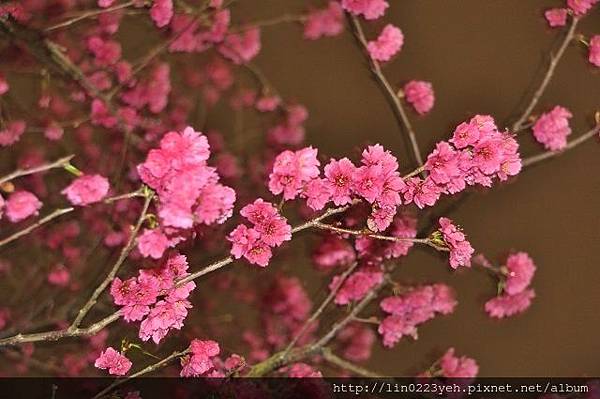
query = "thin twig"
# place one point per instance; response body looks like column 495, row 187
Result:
column 41, row 222
column 571, row 144
column 113, row 272
column 391, row 94
column 153, row 367
column 321, row 308
column 554, row 60
column 59, row 163
column 285, row 18
column 329, row 356
column 88, row 14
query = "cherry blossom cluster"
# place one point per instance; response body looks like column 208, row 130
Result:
column 515, row 283
column 456, row 241
column 452, row 366
column 199, row 362
column 188, row 190
column 415, row 307
column 269, row 229
column 356, row 342
column 115, row 362
column 155, row 298
column 552, row 128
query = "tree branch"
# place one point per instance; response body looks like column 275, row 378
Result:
column 397, row 107
column 59, row 163
column 39, row 223
column 554, row 60
column 329, row 356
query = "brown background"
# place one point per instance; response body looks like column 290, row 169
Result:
column 481, row 57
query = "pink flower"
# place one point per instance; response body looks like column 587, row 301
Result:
column 87, row 189
column 106, row 52
column 370, row 9
column 339, row 175
column 356, row 286
column 581, row 7
column 594, row 57
column 333, row 251
column 268, row 103
column 162, row 12
column 556, row 17
column 259, row 212
column 302, row 370
column 317, row 193
column 421, row 192
column 241, row 47
column 457, row 367
column 2, row 204
column 53, row 132
column 324, row 22
column 413, row 308
column 460, row 249
column 20, row 205
column 520, row 272
column 388, row 43
column 443, row 163
column 153, row 243
column 509, row 305
column 420, row 95
column 552, row 128
column 246, row 242
column 292, row 170
column 115, row 362
column 3, row 84
column 12, row 132
column 200, row 360
column 164, row 316
column 59, row 276
column 357, row 341
column 105, row 3
column 215, row 204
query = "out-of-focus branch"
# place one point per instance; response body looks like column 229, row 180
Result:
column 59, row 163
column 554, row 60
column 46, row 219
column 397, row 106
column 86, row 15
column 321, row 308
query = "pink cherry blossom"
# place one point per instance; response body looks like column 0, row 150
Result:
column 241, row 47
column 552, row 128
column 370, row 9
column 115, row 362
column 421, row 192
column 292, row 170
column 324, row 22
column 581, row 7
column 460, row 249
column 556, row 17
column 268, row 103
column 20, row 205
column 59, row 276
column 4, row 86
column 333, row 251
column 388, row 43
column 457, row 367
column 199, row 362
column 246, row 242
column 339, row 175
column 106, row 52
column 87, row 189
column 162, row 12
column 357, row 341
column 164, row 316
column 420, row 95
column 2, row 204
column 413, row 308
column 509, row 305
column 317, row 193
column 356, row 286
column 594, row 56
column 12, row 133
column 153, row 243
column 105, row 3
column 520, row 272
column 302, row 370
